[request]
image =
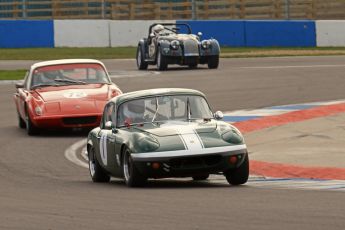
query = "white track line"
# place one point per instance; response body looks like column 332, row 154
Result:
column 71, row 153
column 290, row 66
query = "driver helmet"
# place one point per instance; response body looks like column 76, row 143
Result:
column 158, row 28
column 134, row 110
column 51, row 75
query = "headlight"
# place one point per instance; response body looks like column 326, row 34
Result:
column 232, row 137
column 205, row 44
column 147, row 144
column 175, row 44
column 38, row 111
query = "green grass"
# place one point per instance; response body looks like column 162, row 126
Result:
column 129, row 52
column 60, row 53
column 12, row 74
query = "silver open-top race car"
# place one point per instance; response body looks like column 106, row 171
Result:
column 165, row 45
column 165, row 133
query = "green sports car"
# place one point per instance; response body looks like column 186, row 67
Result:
column 161, row 133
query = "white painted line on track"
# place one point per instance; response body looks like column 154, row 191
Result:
column 290, row 66
column 71, row 153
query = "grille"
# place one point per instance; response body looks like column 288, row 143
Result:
column 195, row 162
column 79, row 120
column 191, row 48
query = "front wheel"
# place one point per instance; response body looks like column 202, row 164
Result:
column 213, row 62
column 141, row 64
column 162, row 63
column 21, row 122
column 239, row 175
column 31, row 129
column 132, row 176
column 97, row 174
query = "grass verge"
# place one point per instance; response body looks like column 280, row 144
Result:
column 129, row 52
column 12, row 74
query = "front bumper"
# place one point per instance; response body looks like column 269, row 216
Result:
column 64, row 121
column 157, row 165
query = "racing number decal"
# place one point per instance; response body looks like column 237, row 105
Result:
column 103, row 149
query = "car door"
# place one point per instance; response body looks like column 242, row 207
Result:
column 107, row 138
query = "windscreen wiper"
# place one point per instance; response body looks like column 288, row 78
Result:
column 70, row 81
column 43, row 85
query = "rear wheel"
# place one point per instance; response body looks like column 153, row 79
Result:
column 141, row 64
column 213, row 62
column 201, row 177
column 132, row 176
column 162, row 63
column 96, row 172
column 239, row 175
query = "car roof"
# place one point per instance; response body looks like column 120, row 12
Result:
column 154, row 92
column 65, row 61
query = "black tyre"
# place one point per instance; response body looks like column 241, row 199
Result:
column 162, row 63
column 21, row 122
column 201, row 177
column 132, row 176
column 97, row 174
column 213, row 62
column 239, row 175
column 141, row 64
column 31, row 129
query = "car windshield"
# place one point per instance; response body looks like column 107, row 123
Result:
column 68, row 74
column 163, row 108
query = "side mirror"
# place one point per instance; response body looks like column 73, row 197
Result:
column 108, row 125
column 199, row 34
column 19, row 85
column 218, row 115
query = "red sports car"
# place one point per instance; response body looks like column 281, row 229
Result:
column 67, row 93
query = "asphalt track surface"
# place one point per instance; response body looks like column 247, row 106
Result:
column 40, row 189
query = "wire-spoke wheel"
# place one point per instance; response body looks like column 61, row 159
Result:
column 141, row 64
column 132, row 176
column 96, row 172
column 161, row 60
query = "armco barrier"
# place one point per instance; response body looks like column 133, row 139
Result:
column 228, row 33
column 330, row 33
column 26, row 34
column 105, row 33
column 81, row 33
column 280, row 33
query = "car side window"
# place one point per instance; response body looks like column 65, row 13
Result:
column 109, row 114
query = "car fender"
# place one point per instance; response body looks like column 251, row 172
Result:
column 215, row 48
column 164, row 47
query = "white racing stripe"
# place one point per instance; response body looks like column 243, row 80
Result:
column 189, row 137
